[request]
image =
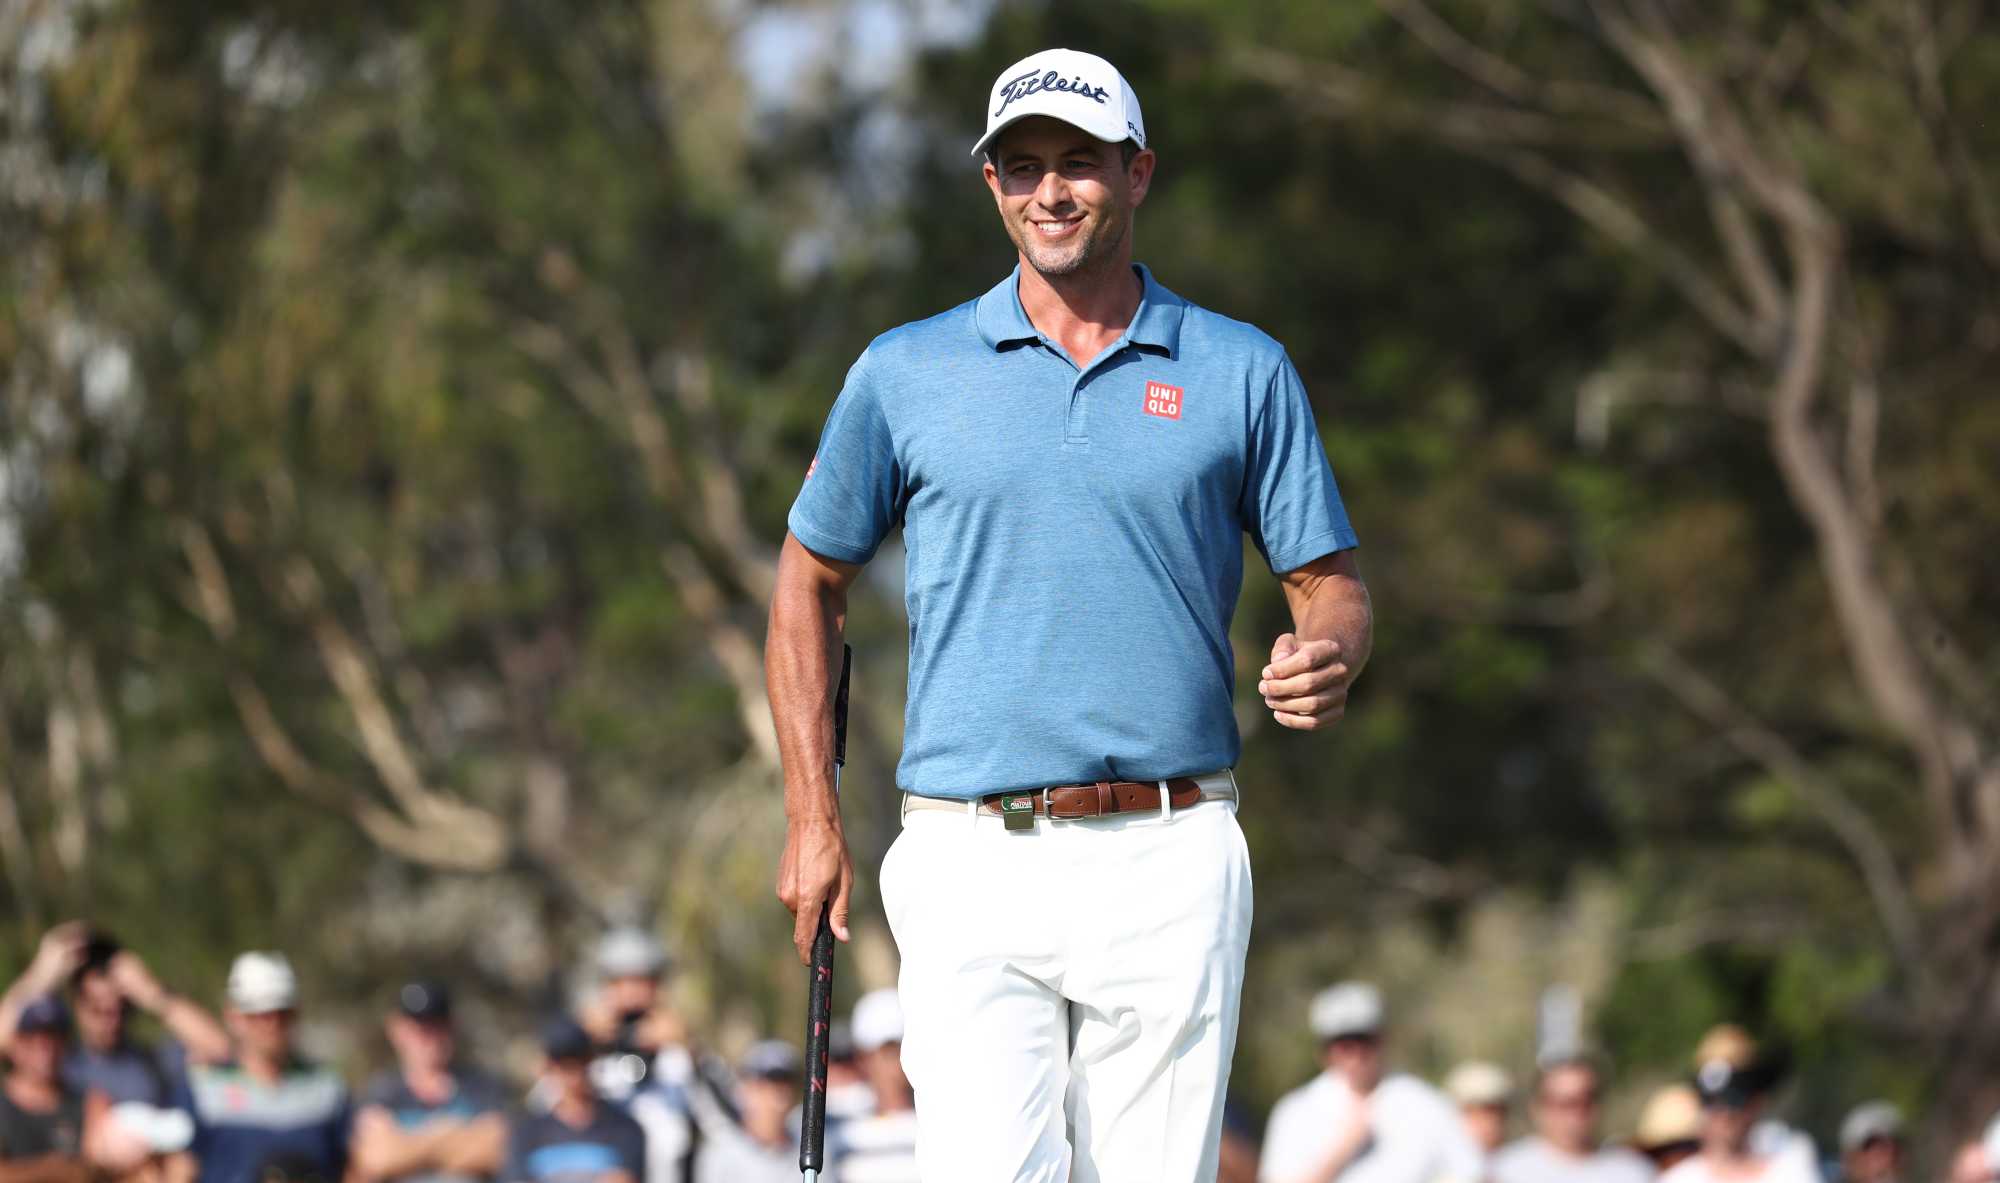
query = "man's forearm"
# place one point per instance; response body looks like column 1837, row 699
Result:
column 807, row 619
column 45, row 1168
column 200, row 1035
column 1336, row 608
column 384, row 1150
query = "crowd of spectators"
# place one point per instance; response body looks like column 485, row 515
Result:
column 1358, row 1122
column 621, row 1095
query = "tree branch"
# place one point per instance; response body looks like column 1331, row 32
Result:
column 1504, row 78
column 1849, row 824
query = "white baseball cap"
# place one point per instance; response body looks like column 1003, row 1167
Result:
column 878, row 1019
column 1350, row 1008
column 1081, row 89
column 630, row 953
column 1869, row 1121
column 260, row 983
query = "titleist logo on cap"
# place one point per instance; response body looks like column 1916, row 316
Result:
column 1034, row 83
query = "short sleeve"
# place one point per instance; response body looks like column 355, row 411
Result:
column 383, row 1091
column 1291, row 505
column 853, row 493
column 632, row 1149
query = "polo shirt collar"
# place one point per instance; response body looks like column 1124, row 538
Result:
column 1002, row 321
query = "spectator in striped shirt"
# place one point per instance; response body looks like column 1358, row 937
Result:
column 880, row 1148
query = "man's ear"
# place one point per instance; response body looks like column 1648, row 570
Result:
column 1139, row 175
column 992, row 176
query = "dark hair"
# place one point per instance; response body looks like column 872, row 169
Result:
column 98, row 950
column 1128, row 149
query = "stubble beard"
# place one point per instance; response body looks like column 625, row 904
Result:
column 1092, row 246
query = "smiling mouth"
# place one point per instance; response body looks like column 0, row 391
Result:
column 1055, row 228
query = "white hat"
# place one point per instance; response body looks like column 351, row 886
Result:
column 1078, row 88
column 630, row 953
column 1350, row 1008
column 260, row 983
column 878, row 1019
column 1868, row 1121
column 1477, row 1082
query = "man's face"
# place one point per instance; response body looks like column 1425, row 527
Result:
column 1487, row 1124
column 100, row 1011
column 1566, row 1107
column 1065, row 196
column 883, row 1067
column 1358, row 1058
column 1875, row 1161
column 37, row 1054
column 631, row 994
column 571, row 1075
column 423, row 1045
column 266, row 1034
column 1728, row 1121
column 768, row 1100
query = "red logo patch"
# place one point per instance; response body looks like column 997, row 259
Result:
column 1163, row 400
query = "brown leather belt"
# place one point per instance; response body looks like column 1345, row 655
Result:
column 1020, row 808
column 1067, row 802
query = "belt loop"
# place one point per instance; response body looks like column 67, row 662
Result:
column 972, row 808
column 1104, row 808
column 1166, row 803
column 1235, row 792
column 1048, row 813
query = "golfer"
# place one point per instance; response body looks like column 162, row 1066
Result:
column 1074, row 459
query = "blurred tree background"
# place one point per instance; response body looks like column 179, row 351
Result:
column 402, row 403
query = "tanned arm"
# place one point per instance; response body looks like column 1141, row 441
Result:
column 801, row 664
column 1306, row 684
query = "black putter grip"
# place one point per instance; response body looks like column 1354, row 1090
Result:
column 819, row 1016
column 819, row 987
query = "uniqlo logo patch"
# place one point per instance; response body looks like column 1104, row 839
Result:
column 1163, row 400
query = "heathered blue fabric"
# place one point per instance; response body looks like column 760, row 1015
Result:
column 1073, row 561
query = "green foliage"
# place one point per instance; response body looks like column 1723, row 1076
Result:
column 478, row 335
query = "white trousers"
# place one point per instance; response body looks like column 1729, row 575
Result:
column 1069, row 992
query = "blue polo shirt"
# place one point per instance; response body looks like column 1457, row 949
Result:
column 1073, row 536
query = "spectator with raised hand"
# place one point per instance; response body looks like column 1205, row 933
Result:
column 1565, row 1108
column 765, row 1147
column 1356, row 1123
column 109, row 985
column 105, row 1063
column 59, row 954
column 432, row 1119
column 579, row 1137
column 628, row 1016
column 1872, row 1146
column 266, row 1104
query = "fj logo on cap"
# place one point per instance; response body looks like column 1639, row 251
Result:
column 1032, row 83
column 1163, row 400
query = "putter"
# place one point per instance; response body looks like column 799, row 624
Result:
column 819, row 986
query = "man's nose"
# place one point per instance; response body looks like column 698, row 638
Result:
column 1053, row 192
